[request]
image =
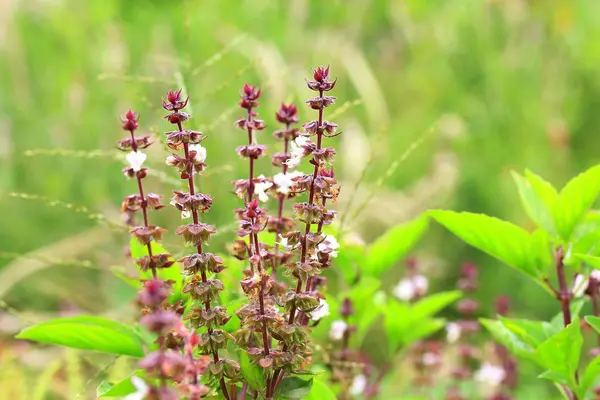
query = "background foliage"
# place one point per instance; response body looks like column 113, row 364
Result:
column 470, row 88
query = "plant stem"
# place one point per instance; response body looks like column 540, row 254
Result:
column 564, row 293
column 196, row 220
column 134, row 147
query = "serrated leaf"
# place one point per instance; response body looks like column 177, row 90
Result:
column 292, row 387
column 393, row 245
column 508, row 339
column 560, row 353
column 500, row 239
column 576, row 198
column 531, row 332
column 320, row 391
column 87, row 333
column 252, row 373
column 538, row 198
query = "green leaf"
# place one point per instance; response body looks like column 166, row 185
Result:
column 594, row 322
column 349, row 261
column 434, row 303
column 122, row 388
column 172, row 273
column 500, row 239
column 538, row 198
column 576, row 198
column 320, row 391
column 393, row 245
column 396, row 323
column 87, row 333
column 506, row 337
column 292, row 387
column 560, row 353
column 252, row 373
column 589, row 377
column 422, row 329
column 531, row 332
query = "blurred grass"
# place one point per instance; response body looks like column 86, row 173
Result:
column 505, row 84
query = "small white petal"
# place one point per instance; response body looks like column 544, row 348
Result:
column 359, row 384
column 595, row 274
column 321, row 311
column 421, row 284
column 580, row 284
column 490, row 375
column 453, row 332
column 135, row 160
column 338, row 328
column 185, row 214
column 430, row 359
column 200, row 156
column 405, row 290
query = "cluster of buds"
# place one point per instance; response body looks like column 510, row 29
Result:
column 459, row 332
column 140, row 201
column 172, row 361
column 260, row 319
column 347, row 366
column 198, row 265
column 312, row 250
column 414, row 285
column 283, row 183
column 508, row 363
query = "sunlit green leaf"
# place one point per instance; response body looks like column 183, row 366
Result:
column 500, row 239
column 320, row 391
column 87, row 333
column 118, row 389
column 393, row 245
column 576, row 198
column 592, row 371
column 293, row 387
column 538, row 198
column 504, row 336
column 434, row 303
column 560, row 353
column 252, row 373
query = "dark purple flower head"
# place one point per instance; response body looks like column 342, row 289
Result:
column 321, row 80
column 287, row 114
column 174, row 102
column 249, row 96
column 130, row 122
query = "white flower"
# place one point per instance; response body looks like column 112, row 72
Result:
column 135, row 160
column 421, row 284
column 452, row 332
column 490, row 375
column 580, row 284
column 330, row 243
column 595, row 274
column 429, row 359
column 405, row 290
column 338, row 328
column 186, row 214
column 142, row 389
column 321, row 311
column 200, row 156
column 284, row 181
column 409, row 288
column 359, row 384
column 260, row 189
column 297, row 151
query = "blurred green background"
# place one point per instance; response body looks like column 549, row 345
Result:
column 437, row 100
